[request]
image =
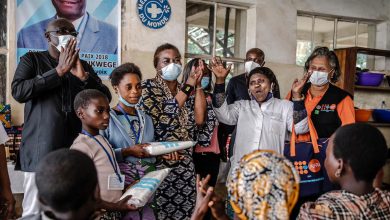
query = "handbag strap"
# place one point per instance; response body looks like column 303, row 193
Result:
column 313, row 137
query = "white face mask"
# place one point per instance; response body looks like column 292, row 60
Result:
column 171, row 72
column 250, row 65
column 319, row 78
column 62, row 41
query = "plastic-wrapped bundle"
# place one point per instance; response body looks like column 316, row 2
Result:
column 160, row 148
column 142, row 191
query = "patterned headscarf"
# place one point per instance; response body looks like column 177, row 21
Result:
column 264, row 185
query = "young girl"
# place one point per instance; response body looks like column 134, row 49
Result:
column 92, row 107
column 129, row 129
column 355, row 155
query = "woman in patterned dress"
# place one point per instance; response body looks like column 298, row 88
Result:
column 206, row 152
column 174, row 119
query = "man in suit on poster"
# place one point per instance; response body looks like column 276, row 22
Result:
column 94, row 36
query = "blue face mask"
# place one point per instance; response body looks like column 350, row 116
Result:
column 126, row 103
column 171, row 72
column 205, row 82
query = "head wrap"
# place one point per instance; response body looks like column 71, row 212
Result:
column 264, row 185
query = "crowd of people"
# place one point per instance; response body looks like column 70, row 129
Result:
column 79, row 155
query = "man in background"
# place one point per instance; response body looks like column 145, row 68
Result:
column 47, row 82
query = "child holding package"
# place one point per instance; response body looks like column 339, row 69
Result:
column 92, row 107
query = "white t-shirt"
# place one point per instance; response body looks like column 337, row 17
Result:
column 3, row 134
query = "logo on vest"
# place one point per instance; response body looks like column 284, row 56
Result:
column 325, row 108
column 154, row 14
column 301, row 167
column 314, row 166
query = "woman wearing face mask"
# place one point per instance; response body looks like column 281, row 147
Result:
column 130, row 129
column 262, row 122
column 206, row 154
column 174, row 119
column 327, row 106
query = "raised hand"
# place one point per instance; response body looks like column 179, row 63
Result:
column 220, row 72
column 206, row 198
column 196, row 74
column 298, row 85
column 67, row 58
column 203, row 197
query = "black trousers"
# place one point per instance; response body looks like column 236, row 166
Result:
column 207, row 163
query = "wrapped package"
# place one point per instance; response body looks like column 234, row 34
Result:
column 160, row 148
column 142, row 191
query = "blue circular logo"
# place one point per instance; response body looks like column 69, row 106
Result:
column 154, row 13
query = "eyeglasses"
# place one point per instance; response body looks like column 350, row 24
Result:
column 64, row 31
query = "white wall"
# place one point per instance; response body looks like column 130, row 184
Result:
column 139, row 42
column 274, row 25
column 271, row 26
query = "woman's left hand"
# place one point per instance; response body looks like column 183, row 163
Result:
column 298, row 85
column 219, row 70
column 196, row 75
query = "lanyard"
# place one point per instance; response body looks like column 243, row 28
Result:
column 137, row 134
column 113, row 162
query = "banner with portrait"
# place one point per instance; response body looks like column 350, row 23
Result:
column 97, row 23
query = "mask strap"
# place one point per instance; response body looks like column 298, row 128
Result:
column 332, row 73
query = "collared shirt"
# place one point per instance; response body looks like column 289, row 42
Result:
column 259, row 127
column 344, row 205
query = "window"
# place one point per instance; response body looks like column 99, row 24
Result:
column 3, row 50
column 332, row 32
column 215, row 29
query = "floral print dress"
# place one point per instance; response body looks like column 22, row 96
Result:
column 175, row 198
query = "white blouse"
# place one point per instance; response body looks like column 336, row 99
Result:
column 259, row 127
